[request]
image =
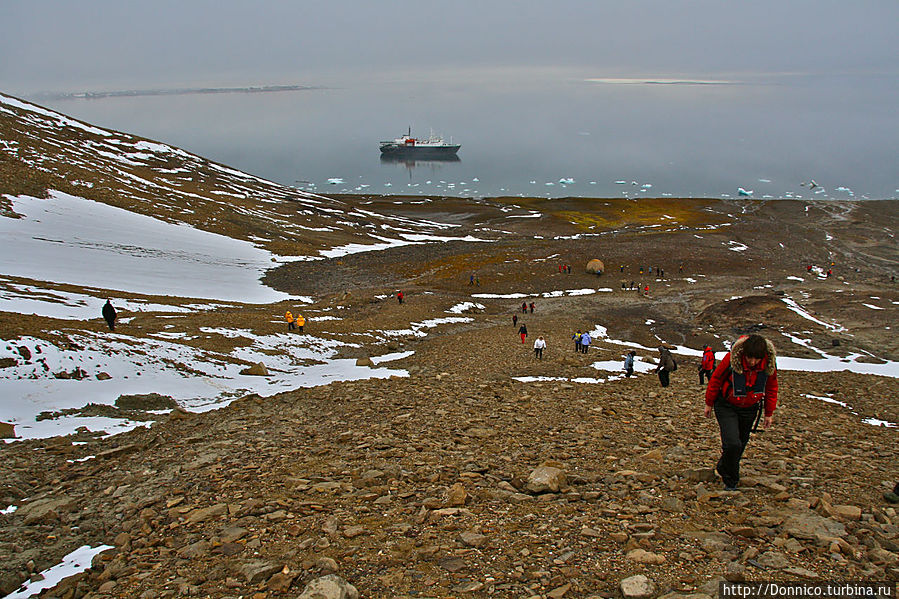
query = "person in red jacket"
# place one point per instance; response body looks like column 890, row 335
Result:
column 743, row 384
column 707, row 365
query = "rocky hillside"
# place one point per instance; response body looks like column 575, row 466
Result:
column 476, row 471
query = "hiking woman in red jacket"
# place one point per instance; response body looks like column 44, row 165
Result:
column 744, row 383
column 707, row 365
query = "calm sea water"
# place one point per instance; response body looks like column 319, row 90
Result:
column 543, row 134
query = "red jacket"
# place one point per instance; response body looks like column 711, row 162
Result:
column 722, row 379
column 708, row 360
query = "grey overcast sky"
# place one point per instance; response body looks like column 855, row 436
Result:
column 49, row 45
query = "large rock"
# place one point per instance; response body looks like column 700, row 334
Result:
column 7, row 431
column 637, row 587
column 641, row 556
column 148, row 401
column 810, row 526
column 257, row 570
column 329, row 587
column 45, row 510
column 595, row 267
column 257, row 369
column 546, row 479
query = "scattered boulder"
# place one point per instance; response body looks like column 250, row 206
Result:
column 366, row 361
column 8, row 362
column 641, row 556
column 546, row 479
column 329, row 587
column 637, row 587
column 257, row 369
column 257, row 570
column 595, row 267
column 456, row 495
column 146, row 401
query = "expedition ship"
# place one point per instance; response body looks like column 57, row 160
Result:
column 432, row 147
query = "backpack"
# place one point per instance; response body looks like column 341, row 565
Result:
column 673, row 364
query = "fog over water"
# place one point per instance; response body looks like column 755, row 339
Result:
column 683, row 99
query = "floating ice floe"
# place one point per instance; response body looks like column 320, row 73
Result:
column 744, row 192
column 336, row 181
column 566, row 181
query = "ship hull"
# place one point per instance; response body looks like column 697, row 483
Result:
column 420, row 151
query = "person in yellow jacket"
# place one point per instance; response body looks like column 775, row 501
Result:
column 290, row 322
column 301, row 322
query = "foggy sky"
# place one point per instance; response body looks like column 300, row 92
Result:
column 121, row 44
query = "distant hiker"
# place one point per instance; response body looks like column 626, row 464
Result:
column 523, row 331
column 539, row 346
column 661, row 273
column 707, row 365
column 743, row 387
column 524, row 308
column 808, row 268
column 641, row 270
column 621, row 268
column 666, row 366
column 290, row 321
column 560, row 268
column 829, row 272
column 301, row 322
column 514, row 319
column 471, row 280
column 680, row 267
column 109, row 315
column 477, row 281
column 569, row 268
column 633, row 284
column 399, row 296
column 532, row 307
column 629, row 363
column 577, row 341
column 585, row 342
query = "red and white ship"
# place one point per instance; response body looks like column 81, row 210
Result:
column 433, row 146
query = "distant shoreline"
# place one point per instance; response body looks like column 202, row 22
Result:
column 133, row 93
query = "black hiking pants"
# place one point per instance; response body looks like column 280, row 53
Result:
column 664, row 377
column 704, row 373
column 736, row 425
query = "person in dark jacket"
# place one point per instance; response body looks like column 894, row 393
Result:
column 744, row 383
column 707, row 365
column 523, row 331
column 666, row 366
column 109, row 315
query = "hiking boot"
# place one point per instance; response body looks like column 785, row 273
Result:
column 730, row 487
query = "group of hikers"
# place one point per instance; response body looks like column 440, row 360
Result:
column 294, row 323
column 741, row 390
column 581, row 341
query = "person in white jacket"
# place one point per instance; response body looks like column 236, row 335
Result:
column 539, row 346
